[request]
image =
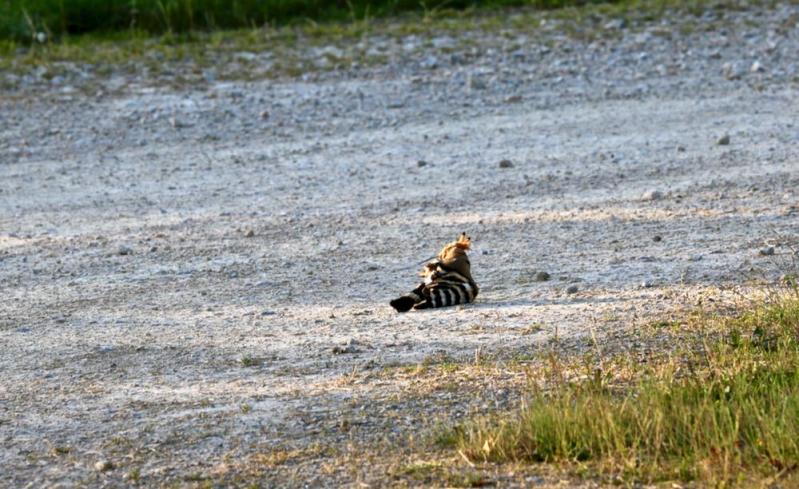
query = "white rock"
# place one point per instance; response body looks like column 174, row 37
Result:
column 732, row 71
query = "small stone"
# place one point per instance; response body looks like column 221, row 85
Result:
column 506, row 164
column 249, row 234
column 264, row 114
column 351, row 346
column 652, row 195
column 542, row 276
column 475, row 83
column 103, row 466
column 767, row 251
column 646, row 284
column 268, row 313
column 421, row 163
column 732, row 71
column 431, row 63
column 615, row 24
column 681, row 149
column 512, row 99
column 124, row 250
column 657, row 238
column 757, row 67
column 724, row 140
column 572, row 289
column 695, row 258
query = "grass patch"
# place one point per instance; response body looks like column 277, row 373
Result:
column 430, row 472
column 39, row 20
column 722, row 409
column 195, row 57
column 280, row 456
column 250, row 361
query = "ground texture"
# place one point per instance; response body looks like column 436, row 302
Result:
column 195, row 280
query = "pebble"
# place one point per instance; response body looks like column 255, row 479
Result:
column 616, row 24
column 657, row 238
column 475, row 83
column 124, row 250
column 757, row 67
column 724, row 140
column 767, row 251
column 351, row 346
column 646, row 284
column 732, row 71
column 572, row 289
column 542, row 276
column 249, row 234
column 103, row 465
column 431, row 63
column 652, row 195
column 421, row 163
column 506, row 164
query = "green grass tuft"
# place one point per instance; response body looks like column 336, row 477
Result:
column 724, row 410
column 250, row 361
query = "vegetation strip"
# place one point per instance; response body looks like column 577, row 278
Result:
column 294, row 50
column 35, row 20
column 722, row 409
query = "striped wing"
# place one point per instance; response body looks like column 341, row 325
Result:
column 449, row 288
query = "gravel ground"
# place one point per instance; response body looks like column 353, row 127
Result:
column 195, row 281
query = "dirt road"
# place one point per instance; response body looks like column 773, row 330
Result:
column 193, row 279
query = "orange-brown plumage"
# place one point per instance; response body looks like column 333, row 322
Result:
column 453, row 256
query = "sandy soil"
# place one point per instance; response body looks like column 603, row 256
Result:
column 191, row 278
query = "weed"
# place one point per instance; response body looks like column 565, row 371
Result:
column 248, row 361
